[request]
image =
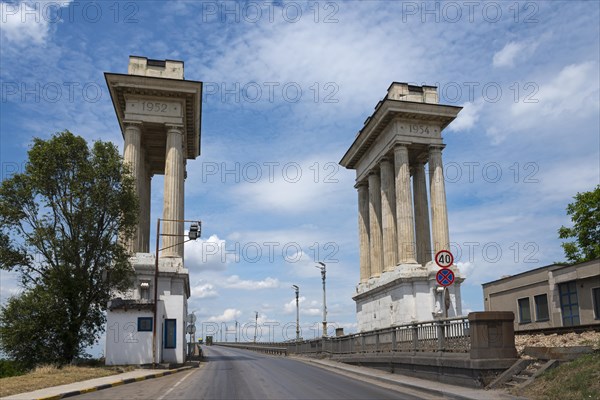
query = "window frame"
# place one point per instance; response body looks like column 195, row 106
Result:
column 596, row 304
column 537, row 318
column 143, row 319
column 521, row 321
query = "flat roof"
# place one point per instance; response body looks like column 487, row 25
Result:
column 557, row 265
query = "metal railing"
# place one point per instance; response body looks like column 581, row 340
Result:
column 445, row 335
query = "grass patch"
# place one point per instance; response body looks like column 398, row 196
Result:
column 49, row 375
column 575, row 380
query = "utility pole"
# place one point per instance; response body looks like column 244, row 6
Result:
column 255, row 324
column 297, row 290
column 323, row 273
column 236, row 331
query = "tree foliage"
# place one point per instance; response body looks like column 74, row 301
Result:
column 585, row 214
column 60, row 224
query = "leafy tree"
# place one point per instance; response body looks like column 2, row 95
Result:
column 585, row 214
column 63, row 222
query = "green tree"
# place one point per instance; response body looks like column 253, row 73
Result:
column 585, row 214
column 63, row 222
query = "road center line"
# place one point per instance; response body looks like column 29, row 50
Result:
column 174, row 386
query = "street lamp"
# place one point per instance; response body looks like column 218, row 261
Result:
column 297, row 290
column 255, row 324
column 323, row 273
column 194, row 233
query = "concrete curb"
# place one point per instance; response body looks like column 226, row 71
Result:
column 116, row 383
column 435, row 392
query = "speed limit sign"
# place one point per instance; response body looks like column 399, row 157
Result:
column 444, row 259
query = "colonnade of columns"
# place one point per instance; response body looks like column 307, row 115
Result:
column 173, row 207
column 393, row 218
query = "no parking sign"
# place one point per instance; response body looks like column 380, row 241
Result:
column 445, row 277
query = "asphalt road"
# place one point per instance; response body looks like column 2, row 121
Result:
column 241, row 374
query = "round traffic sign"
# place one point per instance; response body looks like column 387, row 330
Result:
column 445, row 277
column 444, row 258
column 191, row 329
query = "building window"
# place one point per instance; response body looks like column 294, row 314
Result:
column 541, row 307
column 145, row 290
column 568, row 303
column 524, row 310
column 145, row 324
column 596, row 301
column 170, row 334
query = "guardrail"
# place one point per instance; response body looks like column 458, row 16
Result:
column 261, row 347
column 447, row 335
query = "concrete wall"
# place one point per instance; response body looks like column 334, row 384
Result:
column 124, row 344
column 175, row 307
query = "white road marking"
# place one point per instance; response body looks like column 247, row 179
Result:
column 175, row 385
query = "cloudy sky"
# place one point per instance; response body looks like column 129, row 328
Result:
column 287, row 85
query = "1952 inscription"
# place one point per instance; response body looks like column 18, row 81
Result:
column 154, row 106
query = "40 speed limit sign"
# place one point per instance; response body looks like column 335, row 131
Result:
column 444, row 259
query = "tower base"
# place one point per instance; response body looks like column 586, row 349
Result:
column 405, row 295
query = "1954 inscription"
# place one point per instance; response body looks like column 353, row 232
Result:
column 418, row 129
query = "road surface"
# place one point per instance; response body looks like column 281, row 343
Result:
column 241, row 374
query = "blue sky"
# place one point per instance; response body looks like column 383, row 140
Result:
column 287, row 87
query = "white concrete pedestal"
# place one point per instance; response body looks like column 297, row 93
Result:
column 406, row 294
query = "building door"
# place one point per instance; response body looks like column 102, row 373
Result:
column 170, row 341
column 568, row 303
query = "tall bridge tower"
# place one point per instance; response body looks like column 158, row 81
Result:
column 159, row 113
column 396, row 234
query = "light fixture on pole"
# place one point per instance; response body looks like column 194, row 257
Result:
column 194, row 233
column 323, row 273
column 297, row 290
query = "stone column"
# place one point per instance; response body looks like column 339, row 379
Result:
column 173, row 193
column 404, row 207
column 388, row 215
column 147, row 207
column 376, row 246
column 363, row 230
column 422, row 233
column 439, row 213
column 132, row 155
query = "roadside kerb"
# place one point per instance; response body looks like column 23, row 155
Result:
column 70, row 393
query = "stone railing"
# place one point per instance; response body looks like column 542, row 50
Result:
column 482, row 335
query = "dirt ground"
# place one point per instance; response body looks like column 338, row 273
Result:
column 555, row 340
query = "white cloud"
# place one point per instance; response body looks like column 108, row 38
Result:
column 311, row 309
column 28, row 22
column 204, row 290
column 506, row 56
column 468, row 117
column 573, row 92
column 229, row 314
column 234, row 282
column 207, row 254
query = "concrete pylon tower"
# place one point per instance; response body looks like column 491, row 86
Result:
column 397, row 276
column 159, row 113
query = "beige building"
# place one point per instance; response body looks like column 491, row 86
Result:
column 552, row 296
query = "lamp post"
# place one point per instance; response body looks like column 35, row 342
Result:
column 323, row 273
column 297, row 290
column 255, row 324
column 236, row 330
column 193, row 234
